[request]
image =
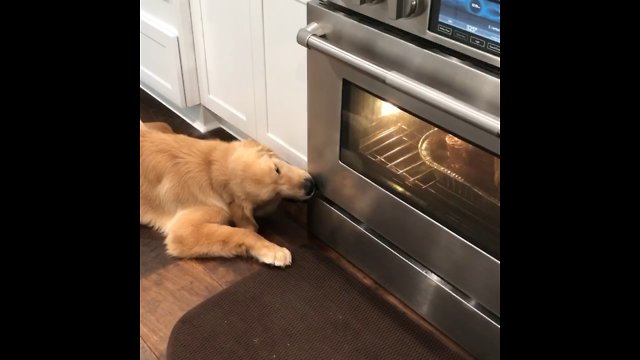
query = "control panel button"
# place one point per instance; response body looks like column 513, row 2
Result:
column 475, row 6
column 476, row 41
column 460, row 35
column 444, row 29
column 403, row 9
column 493, row 47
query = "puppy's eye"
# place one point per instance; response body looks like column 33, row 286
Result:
column 278, row 170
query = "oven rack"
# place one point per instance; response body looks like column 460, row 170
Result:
column 397, row 149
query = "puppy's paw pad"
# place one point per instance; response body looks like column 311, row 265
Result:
column 276, row 255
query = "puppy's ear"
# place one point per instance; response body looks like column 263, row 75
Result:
column 252, row 143
column 262, row 148
column 160, row 127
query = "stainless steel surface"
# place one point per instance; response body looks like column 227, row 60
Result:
column 431, row 96
column 448, row 75
column 415, row 285
column 463, row 264
column 399, row 9
column 471, row 271
column 466, row 266
column 306, row 32
column 464, row 112
column 416, row 25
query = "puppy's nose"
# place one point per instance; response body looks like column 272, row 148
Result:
column 309, row 186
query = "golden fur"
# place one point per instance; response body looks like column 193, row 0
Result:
column 195, row 190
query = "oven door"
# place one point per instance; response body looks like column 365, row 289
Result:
column 407, row 141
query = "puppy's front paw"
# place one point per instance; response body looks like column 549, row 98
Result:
column 274, row 255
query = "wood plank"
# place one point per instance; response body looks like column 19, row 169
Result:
column 152, row 252
column 169, row 287
column 229, row 271
column 166, row 294
column 145, row 352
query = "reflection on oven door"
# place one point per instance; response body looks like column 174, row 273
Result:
column 445, row 177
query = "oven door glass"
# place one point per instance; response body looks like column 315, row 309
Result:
column 443, row 176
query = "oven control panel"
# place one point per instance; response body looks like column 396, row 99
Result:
column 475, row 23
column 471, row 27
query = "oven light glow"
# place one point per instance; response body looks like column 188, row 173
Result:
column 388, row 109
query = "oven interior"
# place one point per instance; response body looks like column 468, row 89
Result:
column 445, row 177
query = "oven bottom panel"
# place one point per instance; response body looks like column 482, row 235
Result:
column 435, row 300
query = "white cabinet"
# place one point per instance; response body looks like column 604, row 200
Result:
column 167, row 53
column 252, row 74
column 160, row 66
column 284, row 128
column 226, row 36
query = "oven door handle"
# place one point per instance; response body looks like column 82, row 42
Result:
column 309, row 37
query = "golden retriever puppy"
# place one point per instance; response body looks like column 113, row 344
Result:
column 194, row 191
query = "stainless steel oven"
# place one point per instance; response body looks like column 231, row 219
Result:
column 404, row 143
column 470, row 27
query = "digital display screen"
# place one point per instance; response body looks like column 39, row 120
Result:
column 477, row 17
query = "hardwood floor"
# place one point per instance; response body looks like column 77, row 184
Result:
column 145, row 352
column 170, row 287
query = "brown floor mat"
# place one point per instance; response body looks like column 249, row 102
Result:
column 312, row 310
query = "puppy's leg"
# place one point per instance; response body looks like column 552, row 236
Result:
column 242, row 217
column 159, row 126
column 201, row 232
